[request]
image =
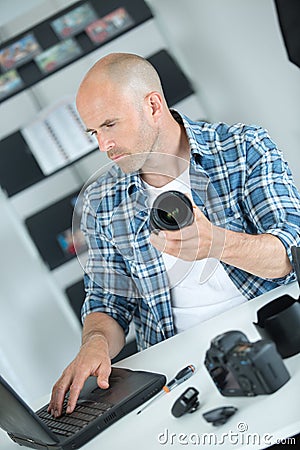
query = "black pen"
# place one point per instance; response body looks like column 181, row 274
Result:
column 182, row 375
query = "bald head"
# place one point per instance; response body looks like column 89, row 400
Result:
column 121, row 103
column 121, row 93
column 125, row 71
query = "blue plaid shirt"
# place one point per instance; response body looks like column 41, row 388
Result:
column 239, row 180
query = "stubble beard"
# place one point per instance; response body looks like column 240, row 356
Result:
column 141, row 160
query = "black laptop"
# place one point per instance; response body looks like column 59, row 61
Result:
column 96, row 409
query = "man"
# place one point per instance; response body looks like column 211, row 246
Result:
column 246, row 218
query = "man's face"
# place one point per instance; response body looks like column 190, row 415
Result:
column 121, row 126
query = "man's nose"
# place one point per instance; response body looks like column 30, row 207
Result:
column 105, row 144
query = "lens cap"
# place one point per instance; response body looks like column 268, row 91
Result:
column 219, row 416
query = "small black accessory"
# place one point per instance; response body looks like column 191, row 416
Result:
column 242, row 368
column 187, row 403
column 171, row 210
column 219, row 416
column 279, row 319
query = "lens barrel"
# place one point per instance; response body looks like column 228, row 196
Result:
column 171, row 210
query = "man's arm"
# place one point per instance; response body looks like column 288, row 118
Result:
column 262, row 255
column 102, row 339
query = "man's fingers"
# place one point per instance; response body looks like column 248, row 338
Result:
column 164, row 238
column 58, row 395
column 103, row 374
column 75, row 390
column 92, row 359
column 171, row 247
column 158, row 241
column 77, row 384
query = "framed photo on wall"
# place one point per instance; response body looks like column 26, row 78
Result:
column 19, row 52
column 114, row 23
column 74, row 21
column 10, row 82
column 58, row 55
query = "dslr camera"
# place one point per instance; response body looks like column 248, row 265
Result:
column 242, row 368
column 171, row 210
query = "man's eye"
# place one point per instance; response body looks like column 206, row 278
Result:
column 109, row 125
column 93, row 133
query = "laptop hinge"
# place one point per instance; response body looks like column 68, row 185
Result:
column 32, row 444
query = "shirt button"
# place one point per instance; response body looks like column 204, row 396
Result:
column 143, row 213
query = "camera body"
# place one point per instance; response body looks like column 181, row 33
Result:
column 242, row 368
column 171, row 210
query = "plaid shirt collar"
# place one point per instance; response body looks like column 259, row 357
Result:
column 198, row 145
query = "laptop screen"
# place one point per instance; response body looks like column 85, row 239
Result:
column 18, row 419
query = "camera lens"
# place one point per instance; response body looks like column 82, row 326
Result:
column 171, row 210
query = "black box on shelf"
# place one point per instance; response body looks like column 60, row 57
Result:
column 175, row 84
column 76, row 294
column 51, row 231
column 18, row 167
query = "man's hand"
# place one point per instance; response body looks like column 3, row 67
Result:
column 92, row 359
column 202, row 239
column 197, row 241
column 102, row 339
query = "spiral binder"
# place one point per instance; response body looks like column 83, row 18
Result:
column 57, row 136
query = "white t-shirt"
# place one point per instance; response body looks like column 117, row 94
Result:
column 199, row 289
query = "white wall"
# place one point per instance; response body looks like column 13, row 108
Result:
column 235, row 56
column 18, row 15
column 38, row 331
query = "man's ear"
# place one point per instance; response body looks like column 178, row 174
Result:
column 155, row 103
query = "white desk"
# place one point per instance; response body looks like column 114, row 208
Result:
column 266, row 417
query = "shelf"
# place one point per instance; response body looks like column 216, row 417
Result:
column 45, row 36
column 16, row 177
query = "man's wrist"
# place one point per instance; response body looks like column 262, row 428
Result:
column 93, row 335
column 218, row 243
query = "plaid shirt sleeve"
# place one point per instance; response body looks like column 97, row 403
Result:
column 271, row 199
column 109, row 286
column 255, row 187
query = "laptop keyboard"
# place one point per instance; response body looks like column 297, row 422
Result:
column 68, row 424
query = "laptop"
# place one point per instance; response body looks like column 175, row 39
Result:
column 96, row 410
